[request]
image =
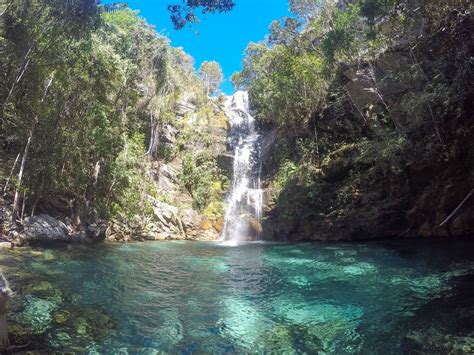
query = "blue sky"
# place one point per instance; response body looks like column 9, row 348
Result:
column 220, row 37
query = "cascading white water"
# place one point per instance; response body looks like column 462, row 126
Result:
column 244, row 205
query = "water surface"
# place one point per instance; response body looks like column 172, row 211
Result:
column 185, row 297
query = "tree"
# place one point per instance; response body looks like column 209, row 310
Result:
column 181, row 15
column 211, row 74
column 82, row 93
column 306, row 9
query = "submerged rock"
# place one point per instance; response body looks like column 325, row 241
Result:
column 291, row 339
column 37, row 314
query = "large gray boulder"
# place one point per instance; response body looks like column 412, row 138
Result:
column 191, row 221
column 45, row 229
column 167, row 221
column 167, row 178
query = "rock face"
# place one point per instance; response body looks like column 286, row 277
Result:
column 168, row 223
column 45, row 229
column 355, row 199
column 167, row 220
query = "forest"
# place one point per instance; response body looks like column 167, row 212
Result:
column 351, row 122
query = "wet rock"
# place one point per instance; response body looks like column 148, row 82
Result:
column 225, row 161
column 208, row 235
column 44, row 290
column 255, row 225
column 93, row 233
column 61, row 317
column 218, row 225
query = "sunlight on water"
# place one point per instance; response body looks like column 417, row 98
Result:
column 182, row 297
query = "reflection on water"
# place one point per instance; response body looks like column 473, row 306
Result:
column 186, row 298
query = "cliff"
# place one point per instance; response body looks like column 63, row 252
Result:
column 395, row 144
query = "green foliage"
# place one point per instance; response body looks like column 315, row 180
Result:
column 131, row 189
column 212, row 76
column 288, row 79
column 82, row 85
column 339, row 43
column 203, row 179
column 183, row 14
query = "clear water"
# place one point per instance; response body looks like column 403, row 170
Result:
column 185, row 297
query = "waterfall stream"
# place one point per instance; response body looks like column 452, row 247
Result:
column 244, row 204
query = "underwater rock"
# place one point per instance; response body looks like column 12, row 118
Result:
column 45, row 290
column 37, row 315
column 91, row 323
column 61, row 317
column 290, row 339
column 358, row 269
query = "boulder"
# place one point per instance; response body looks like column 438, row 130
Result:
column 184, row 107
column 191, row 220
column 96, row 232
column 218, row 225
column 167, row 219
column 255, row 225
column 168, row 134
column 5, row 245
column 225, row 161
column 45, row 229
column 167, row 178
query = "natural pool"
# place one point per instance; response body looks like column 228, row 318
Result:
column 185, row 297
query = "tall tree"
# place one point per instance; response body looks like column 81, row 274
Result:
column 212, row 76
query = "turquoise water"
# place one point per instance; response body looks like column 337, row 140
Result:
column 184, row 297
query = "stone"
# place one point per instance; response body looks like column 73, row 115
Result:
column 44, row 229
column 218, row 225
column 6, row 245
column 255, row 225
column 96, row 232
column 167, row 219
column 225, row 161
column 206, row 224
column 184, row 107
column 191, row 220
column 61, row 317
column 168, row 134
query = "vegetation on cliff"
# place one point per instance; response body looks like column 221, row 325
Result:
column 369, row 98
column 90, row 100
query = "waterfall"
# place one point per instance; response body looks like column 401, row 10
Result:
column 244, row 204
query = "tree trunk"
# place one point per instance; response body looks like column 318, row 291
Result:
column 11, row 173
column 16, row 200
